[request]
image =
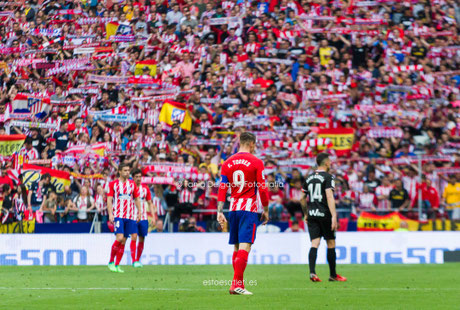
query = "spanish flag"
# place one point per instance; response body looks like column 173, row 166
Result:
column 10, row 144
column 111, row 29
column 151, row 64
column 173, row 112
column 341, row 138
column 372, row 222
column 32, row 174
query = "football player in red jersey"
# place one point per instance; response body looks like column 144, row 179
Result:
column 123, row 195
column 244, row 174
column 142, row 227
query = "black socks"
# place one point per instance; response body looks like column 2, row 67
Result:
column 312, row 259
column 331, row 261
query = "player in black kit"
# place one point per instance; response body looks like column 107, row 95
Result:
column 320, row 215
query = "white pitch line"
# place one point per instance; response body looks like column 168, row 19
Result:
column 101, row 288
column 223, row 289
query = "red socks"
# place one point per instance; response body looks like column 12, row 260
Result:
column 241, row 261
column 121, row 250
column 118, row 249
column 140, row 248
column 233, row 259
column 132, row 246
column 114, row 251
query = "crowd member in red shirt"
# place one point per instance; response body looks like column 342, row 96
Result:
column 430, row 198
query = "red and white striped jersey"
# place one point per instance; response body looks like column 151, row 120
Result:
column 186, row 196
column 124, row 194
column 152, row 116
column 383, row 191
column 30, row 154
column 135, row 145
column 289, row 35
column 410, row 184
column 180, row 50
column 101, row 205
column 244, row 174
column 157, row 204
column 367, row 200
column 149, row 141
column 252, row 47
column 19, row 204
column 144, row 196
column 169, row 38
column 227, row 5
column 295, row 193
column 80, row 130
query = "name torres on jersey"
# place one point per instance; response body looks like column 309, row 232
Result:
column 239, row 162
column 244, row 174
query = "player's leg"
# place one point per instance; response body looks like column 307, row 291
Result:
column 128, row 226
column 331, row 260
column 143, row 228
column 133, row 247
column 233, row 225
column 315, row 237
column 119, row 232
column 312, row 255
column 329, row 235
column 140, row 249
column 235, row 252
column 246, row 237
column 241, row 261
column 120, row 253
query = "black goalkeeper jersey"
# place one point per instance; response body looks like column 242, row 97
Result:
column 315, row 187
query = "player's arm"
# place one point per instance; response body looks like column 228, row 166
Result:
column 303, row 201
column 110, row 203
column 221, row 196
column 137, row 201
column 331, row 205
column 263, row 191
column 29, row 199
column 152, row 208
column 330, row 185
column 110, row 208
column 303, row 204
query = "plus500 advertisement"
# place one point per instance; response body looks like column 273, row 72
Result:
column 213, row 248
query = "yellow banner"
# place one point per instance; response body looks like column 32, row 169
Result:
column 10, row 144
column 372, row 222
column 26, row 227
column 111, row 29
column 140, row 66
column 32, row 174
column 341, row 138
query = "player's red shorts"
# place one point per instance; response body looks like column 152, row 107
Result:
column 243, row 226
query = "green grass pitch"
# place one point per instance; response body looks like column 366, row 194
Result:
column 199, row 287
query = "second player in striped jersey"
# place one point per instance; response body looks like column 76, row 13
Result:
column 142, row 226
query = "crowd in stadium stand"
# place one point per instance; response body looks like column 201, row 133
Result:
column 161, row 84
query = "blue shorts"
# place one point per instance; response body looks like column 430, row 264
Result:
column 243, row 226
column 142, row 228
column 124, row 226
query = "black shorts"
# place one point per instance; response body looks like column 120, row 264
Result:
column 320, row 227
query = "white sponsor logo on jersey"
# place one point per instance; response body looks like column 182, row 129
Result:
column 315, row 213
